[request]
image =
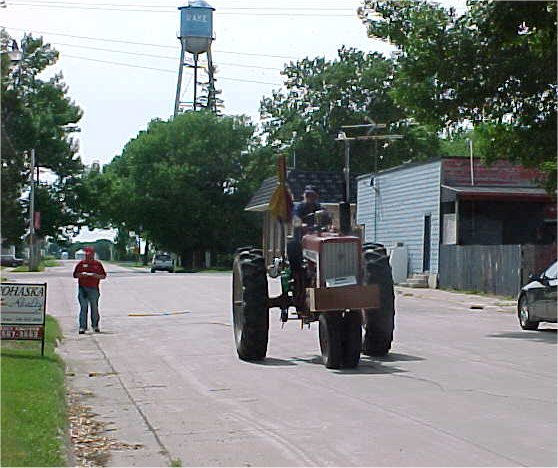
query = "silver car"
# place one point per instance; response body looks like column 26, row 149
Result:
column 162, row 262
column 537, row 299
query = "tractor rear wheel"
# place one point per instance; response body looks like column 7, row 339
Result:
column 352, row 338
column 331, row 339
column 378, row 323
column 250, row 304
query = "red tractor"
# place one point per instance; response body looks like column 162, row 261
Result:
column 341, row 283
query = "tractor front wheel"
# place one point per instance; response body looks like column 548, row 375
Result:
column 331, row 340
column 352, row 338
column 340, row 338
column 250, row 305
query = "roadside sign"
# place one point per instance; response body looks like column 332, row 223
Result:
column 23, row 312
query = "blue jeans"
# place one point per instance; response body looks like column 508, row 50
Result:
column 88, row 298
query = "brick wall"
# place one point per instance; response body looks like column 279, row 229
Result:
column 457, row 171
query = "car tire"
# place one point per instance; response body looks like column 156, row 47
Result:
column 524, row 315
column 152, row 270
column 250, row 305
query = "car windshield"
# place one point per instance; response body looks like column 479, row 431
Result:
column 551, row 272
column 163, row 258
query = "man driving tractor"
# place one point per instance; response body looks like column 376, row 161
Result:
column 303, row 216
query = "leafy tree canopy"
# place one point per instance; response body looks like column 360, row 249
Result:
column 37, row 114
column 323, row 96
column 493, row 67
column 181, row 183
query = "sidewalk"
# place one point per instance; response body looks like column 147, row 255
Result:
column 471, row 301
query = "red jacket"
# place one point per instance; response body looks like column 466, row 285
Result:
column 89, row 266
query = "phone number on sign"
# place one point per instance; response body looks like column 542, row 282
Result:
column 21, row 333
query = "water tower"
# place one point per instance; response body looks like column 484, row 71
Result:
column 196, row 35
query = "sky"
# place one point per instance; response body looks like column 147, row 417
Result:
column 120, row 58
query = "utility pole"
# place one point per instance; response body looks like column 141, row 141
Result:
column 32, row 252
column 470, row 142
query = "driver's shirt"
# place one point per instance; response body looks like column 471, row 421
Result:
column 303, row 209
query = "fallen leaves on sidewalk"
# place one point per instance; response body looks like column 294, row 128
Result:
column 90, row 444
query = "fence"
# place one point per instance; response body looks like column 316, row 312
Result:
column 494, row 269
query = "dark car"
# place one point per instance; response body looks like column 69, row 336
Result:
column 11, row 261
column 537, row 299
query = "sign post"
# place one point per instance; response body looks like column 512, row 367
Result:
column 23, row 312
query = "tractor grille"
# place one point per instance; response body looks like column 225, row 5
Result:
column 339, row 260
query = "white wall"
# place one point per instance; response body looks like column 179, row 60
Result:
column 393, row 209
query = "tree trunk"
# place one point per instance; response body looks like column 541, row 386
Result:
column 186, row 259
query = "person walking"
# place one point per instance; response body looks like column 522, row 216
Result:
column 89, row 273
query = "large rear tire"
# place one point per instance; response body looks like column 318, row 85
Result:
column 352, row 338
column 331, row 340
column 250, row 305
column 378, row 323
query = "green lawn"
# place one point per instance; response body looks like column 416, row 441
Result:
column 44, row 263
column 33, row 420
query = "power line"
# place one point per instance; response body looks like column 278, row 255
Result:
column 166, row 57
column 163, row 69
column 174, row 7
column 145, row 44
column 149, row 9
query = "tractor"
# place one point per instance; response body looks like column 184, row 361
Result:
column 328, row 275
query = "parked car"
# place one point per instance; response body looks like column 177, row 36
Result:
column 11, row 260
column 162, row 262
column 537, row 299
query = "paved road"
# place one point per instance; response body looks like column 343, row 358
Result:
column 463, row 386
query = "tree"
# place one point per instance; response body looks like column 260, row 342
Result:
column 323, row 96
column 37, row 114
column 182, row 183
column 493, row 67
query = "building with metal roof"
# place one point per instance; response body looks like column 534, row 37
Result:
column 438, row 207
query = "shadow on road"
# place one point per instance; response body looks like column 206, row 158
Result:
column 273, row 362
column 367, row 366
column 371, row 366
column 545, row 335
column 395, row 357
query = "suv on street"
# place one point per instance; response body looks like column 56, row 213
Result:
column 162, row 262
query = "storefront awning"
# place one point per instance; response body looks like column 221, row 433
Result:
column 501, row 193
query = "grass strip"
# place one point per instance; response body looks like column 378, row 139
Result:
column 33, row 420
column 46, row 262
